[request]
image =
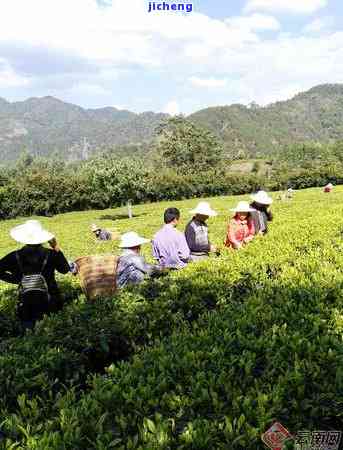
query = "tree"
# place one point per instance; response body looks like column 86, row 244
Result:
column 337, row 151
column 25, row 160
column 186, row 147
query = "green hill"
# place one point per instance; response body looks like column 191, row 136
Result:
column 315, row 115
column 204, row 358
column 44, row 126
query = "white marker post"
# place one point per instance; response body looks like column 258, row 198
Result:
column 129, row 208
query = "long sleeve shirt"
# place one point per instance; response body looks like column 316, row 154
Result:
column 31, row 258
column 132, row 268
column 197, row 237
column 239, row 232
column 104, row 235
column 261, row 217
column 169, row 247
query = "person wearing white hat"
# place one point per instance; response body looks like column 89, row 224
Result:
column 240, row 229
column 132, row 267
column 262, row 214
column 33, row 269
column 328, row 188
column 289, row 194
column 196, row 232
column 101, row 234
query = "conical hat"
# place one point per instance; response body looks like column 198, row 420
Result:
column 204, row 209
column 243, row 207
column 31, row 233
column 132, row 239
column 262, row 197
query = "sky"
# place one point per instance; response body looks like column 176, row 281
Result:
column 97, row 53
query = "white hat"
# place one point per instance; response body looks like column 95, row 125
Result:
column 204, row 209
column 243, row 207
column 330, row 185
column 132, row 239
column 31, row 233
column 262, row 197
column 95, row 227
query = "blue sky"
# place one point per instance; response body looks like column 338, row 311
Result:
column 97, row 53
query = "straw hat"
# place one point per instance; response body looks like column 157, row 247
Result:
column 204, row 209
column 95, row 227
column 243, row 207
column 262, row 198
column 132, row 239
column 31, row 233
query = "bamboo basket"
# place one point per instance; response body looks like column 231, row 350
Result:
column 97, row 275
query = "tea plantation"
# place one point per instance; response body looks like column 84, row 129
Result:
column 205, row 358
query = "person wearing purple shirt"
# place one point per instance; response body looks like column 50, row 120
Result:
column 169, row 246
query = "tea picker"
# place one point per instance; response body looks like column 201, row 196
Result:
column 104, row 235
column 33, row 268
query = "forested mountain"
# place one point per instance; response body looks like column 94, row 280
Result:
column 315, row 115
column 46, row 126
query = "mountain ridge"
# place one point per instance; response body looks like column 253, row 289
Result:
column 47, row 125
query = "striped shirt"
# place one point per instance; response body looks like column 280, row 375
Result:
column 197, row 237
column 132, row 268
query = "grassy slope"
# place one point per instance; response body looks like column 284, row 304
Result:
column 72, row 229
column 279, row 302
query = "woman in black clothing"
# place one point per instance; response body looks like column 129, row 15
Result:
column 262, row 215
column 36, row 264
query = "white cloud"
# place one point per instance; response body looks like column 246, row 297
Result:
column 281, row 72
column 280, row 92
column 172, row 108
column 255, row 22
column 89, row 89
column 319, row 24
column 207, row 82
column 115, row 34
column 108, row 42
column 288, row 6
column 120, row 107
column 8, row 77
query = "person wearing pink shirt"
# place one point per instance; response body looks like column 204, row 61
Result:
column 241, row 228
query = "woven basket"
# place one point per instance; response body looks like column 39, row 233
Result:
column 97, row 275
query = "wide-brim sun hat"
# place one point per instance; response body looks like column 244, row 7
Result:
column 132, row 239
column 243, row 207
column 204, row 209
column 262, row 197
column 31, row 233
column 95, row 227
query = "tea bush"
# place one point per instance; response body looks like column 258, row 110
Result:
column 52, row 187
column 204, row 358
